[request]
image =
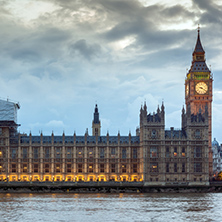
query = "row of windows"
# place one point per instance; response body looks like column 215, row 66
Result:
column 80, row 168
column 68, row 154
column 175, row 168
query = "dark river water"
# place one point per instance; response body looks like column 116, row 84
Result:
column 111, row 207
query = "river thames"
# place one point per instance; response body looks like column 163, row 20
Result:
column 111, row 207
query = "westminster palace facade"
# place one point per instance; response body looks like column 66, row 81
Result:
column 155, row 156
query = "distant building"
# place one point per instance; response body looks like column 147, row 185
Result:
column 217, row 157
column 155, row 155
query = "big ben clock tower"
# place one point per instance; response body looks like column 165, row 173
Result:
column 198, row 90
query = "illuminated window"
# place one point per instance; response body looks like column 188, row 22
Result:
column 25, row 168
column 0, row 154
column 183, row 152
column 69, row 153
column 123, row 168
column 90, row 168
column 154, row 167
column 57, row 168
column 175, row 152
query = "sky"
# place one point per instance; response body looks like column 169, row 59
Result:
column 58, row 58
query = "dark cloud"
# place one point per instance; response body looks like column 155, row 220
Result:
column 86, row 50
column 212, row 13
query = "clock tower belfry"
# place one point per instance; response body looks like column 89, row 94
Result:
column 198, row 90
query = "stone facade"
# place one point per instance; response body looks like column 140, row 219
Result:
column 155, row 156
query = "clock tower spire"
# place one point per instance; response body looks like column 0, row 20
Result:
column 198, row 90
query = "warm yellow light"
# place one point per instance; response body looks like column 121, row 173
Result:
column 154, row 166
column 57, row 167
column 175, row 154
column 0, row 167
column 80, row 152
column 90, row 166
column 25, row 168
column 183, row 154
column 68, row 153
column 90, row 152
column 0, row 152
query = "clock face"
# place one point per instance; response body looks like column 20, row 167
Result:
column 201, row 88
column 187, row 89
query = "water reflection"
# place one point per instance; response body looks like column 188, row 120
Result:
column 110, row 207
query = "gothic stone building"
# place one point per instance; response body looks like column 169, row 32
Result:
column 155, row 156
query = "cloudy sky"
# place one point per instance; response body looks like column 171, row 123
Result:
column 60, row 57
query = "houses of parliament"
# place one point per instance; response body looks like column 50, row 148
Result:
column 155, row 156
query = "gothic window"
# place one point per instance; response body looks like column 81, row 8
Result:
column 68, row 168
column 36, row 153
column 47, row 152
column 13, row 153
column 80, row 152
column 35, row 168
column 102, row 168
column 68, row 153
column 113, row 168
column 57, row 167
column 46, row 168
column 134, row 153
column 79, row 168
column 134, row 168
column 25, row 168
column 175, row 152
column 175, row 167
column 124, row 153
column 154, row 167
column 167, row 168
column 197, row 152
column 183, row 167
column 113, row 151
column 13, row 168
column 123, row 168
column 90, row 168
column 197, row 133
column 197, row 167
column 25, row 153
column 153, row 152
column 183, row 152
column 167, row 152
column 58, row 153
column 102, row 153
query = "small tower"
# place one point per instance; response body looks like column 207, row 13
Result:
column 96, row 123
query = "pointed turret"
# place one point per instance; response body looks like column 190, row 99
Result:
column 96, row 123
column 198, row 63
column 198, row 47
